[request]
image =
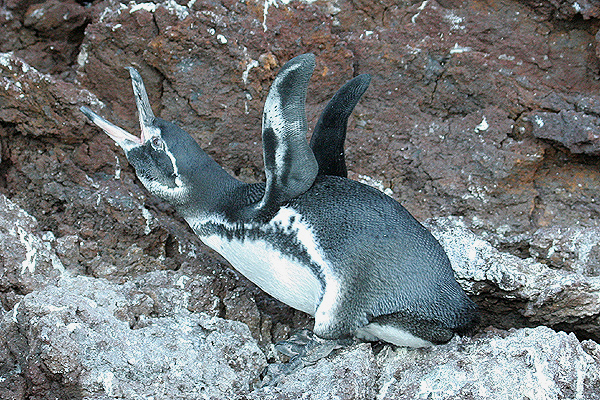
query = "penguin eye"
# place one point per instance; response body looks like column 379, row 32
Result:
column 157, row 143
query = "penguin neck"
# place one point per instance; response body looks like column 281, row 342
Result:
column 208, row 184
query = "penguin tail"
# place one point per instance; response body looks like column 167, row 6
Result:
column 468, row 320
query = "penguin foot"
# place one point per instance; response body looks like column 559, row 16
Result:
column 308, row 346
column 304, row 349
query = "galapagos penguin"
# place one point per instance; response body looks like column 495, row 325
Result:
column 339, row 250
column 329, row 135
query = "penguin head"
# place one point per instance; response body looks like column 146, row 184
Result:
column 162, row 160
column 165, row 157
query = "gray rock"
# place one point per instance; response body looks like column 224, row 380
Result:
column 573, row 248
column 531, row 289
column 88, row 338
column 350, row 374
column 520, row 364
column 83, row 337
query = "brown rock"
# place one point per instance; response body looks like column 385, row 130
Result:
column 577, row 131
column 55, row 18
column 39, row 104
column 46, row 35
column 566, row 9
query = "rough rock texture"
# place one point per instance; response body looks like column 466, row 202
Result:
column 525, row 291
column 349, row 374
column 519, row 364
column 577, row 131
column 27, row 261
column 84, row 337
column 483, row 115
column 89, row 338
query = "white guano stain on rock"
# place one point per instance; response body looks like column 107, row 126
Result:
column 421, row 7
column 375, row 183
column 506, row 57
column 221, row 39
column 150, row 7
column 483, row 125
column 455, row 21
column 117, row 168
column 30, row 252
column 251, row 64
column 170, row 5
column 83, row 55
column 459, row 49
column 149, row 218
column 539, row 121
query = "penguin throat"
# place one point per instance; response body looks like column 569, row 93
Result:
column 177, row 195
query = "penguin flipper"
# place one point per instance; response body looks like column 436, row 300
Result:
column 290, row 165
column 327, row 141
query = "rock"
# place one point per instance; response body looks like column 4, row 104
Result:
column 55, row 18
column 39, row 104
column 576, row 131
column 448, row 127
column 349, row 374
column 520, row 291
column 73, row 338
column 526, row 363
column 46, row 34
column 94, row 339
column 27, row 262
column 574, row 249
column 449, row 111
column 179, row 48
column 242, row 307
column 88, row 200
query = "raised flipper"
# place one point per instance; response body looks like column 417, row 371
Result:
column 290, row 165
column 327, row 141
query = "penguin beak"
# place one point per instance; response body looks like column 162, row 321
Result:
column 123, row 138
column 143, row 105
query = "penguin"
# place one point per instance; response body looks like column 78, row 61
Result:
column 339, row 250
column 329, row 135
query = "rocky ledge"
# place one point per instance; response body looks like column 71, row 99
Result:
column 78, row 336
column 482, row 118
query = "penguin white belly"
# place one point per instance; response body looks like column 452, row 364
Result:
column 374, row 331
column 277, row 274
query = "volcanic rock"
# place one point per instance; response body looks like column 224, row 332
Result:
column 87, row 338
column 482, row 116
column 27, row 262
column 532, row 363
column 513, row 289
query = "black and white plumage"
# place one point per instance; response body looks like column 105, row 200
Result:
column 327, row 141
column 334, row 248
